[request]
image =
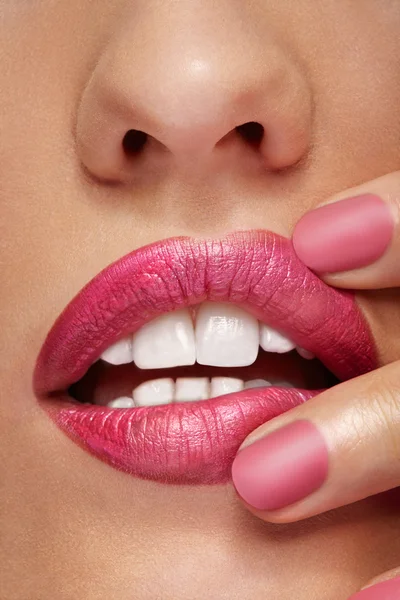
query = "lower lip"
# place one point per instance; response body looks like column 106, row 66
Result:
column 194, row 443
column 178, row 443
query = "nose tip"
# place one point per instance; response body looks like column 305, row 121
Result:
column 186, row 109
column 158, row 98
column 190, row 112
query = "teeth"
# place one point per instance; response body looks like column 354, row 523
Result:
column 153, row 393
column 119, row 353
column 226, row 336
column 190, row 389
column 305, row 353
column 187, row 389
column 124, row 402
column 165, row 342
column 256, row 383
column 225, row 385
column 273, row 341
column 282, row 384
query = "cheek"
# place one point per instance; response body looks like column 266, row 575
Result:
column 357, row 96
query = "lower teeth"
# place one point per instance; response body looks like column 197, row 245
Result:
column 166, row 391
column 124, row 402
column 256, row 383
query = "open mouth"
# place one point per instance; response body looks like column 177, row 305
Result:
column 170, row 357
column 197, row 354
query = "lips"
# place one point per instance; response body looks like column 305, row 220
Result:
column 196, row 442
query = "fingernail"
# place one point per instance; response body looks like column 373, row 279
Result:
column 281, row 468
column 344, row 235
column 387, row 590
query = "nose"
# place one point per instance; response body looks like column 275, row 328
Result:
column 189, row 85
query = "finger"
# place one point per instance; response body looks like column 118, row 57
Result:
column 387, row 587
column 353, row 240
column 392, row 574
column 335, row 449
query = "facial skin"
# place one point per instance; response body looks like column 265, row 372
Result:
column 323, row 80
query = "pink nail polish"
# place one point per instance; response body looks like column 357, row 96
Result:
column 388, row 590
column 281, row 468
column 344, row 235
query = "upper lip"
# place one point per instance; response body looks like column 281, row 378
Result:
column 245, row 268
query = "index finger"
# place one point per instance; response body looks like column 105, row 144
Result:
column 353, row 240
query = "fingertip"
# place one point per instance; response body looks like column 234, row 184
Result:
column 386, row 590
column 281, row 468
column 344, row 235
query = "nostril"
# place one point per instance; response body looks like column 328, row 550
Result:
column 134, row 141
column 251, row 132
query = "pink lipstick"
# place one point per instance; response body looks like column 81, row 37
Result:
column 194, row 442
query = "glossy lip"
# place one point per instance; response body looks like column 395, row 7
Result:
column 194, row 442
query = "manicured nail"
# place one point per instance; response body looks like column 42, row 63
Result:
column 344, row 235
column 387, row 590
column 281, row 468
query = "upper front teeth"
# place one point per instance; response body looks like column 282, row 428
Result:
column 224, row 336
column 165, row 342
column 119, row 353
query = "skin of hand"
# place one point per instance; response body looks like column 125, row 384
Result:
column 343, row 445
